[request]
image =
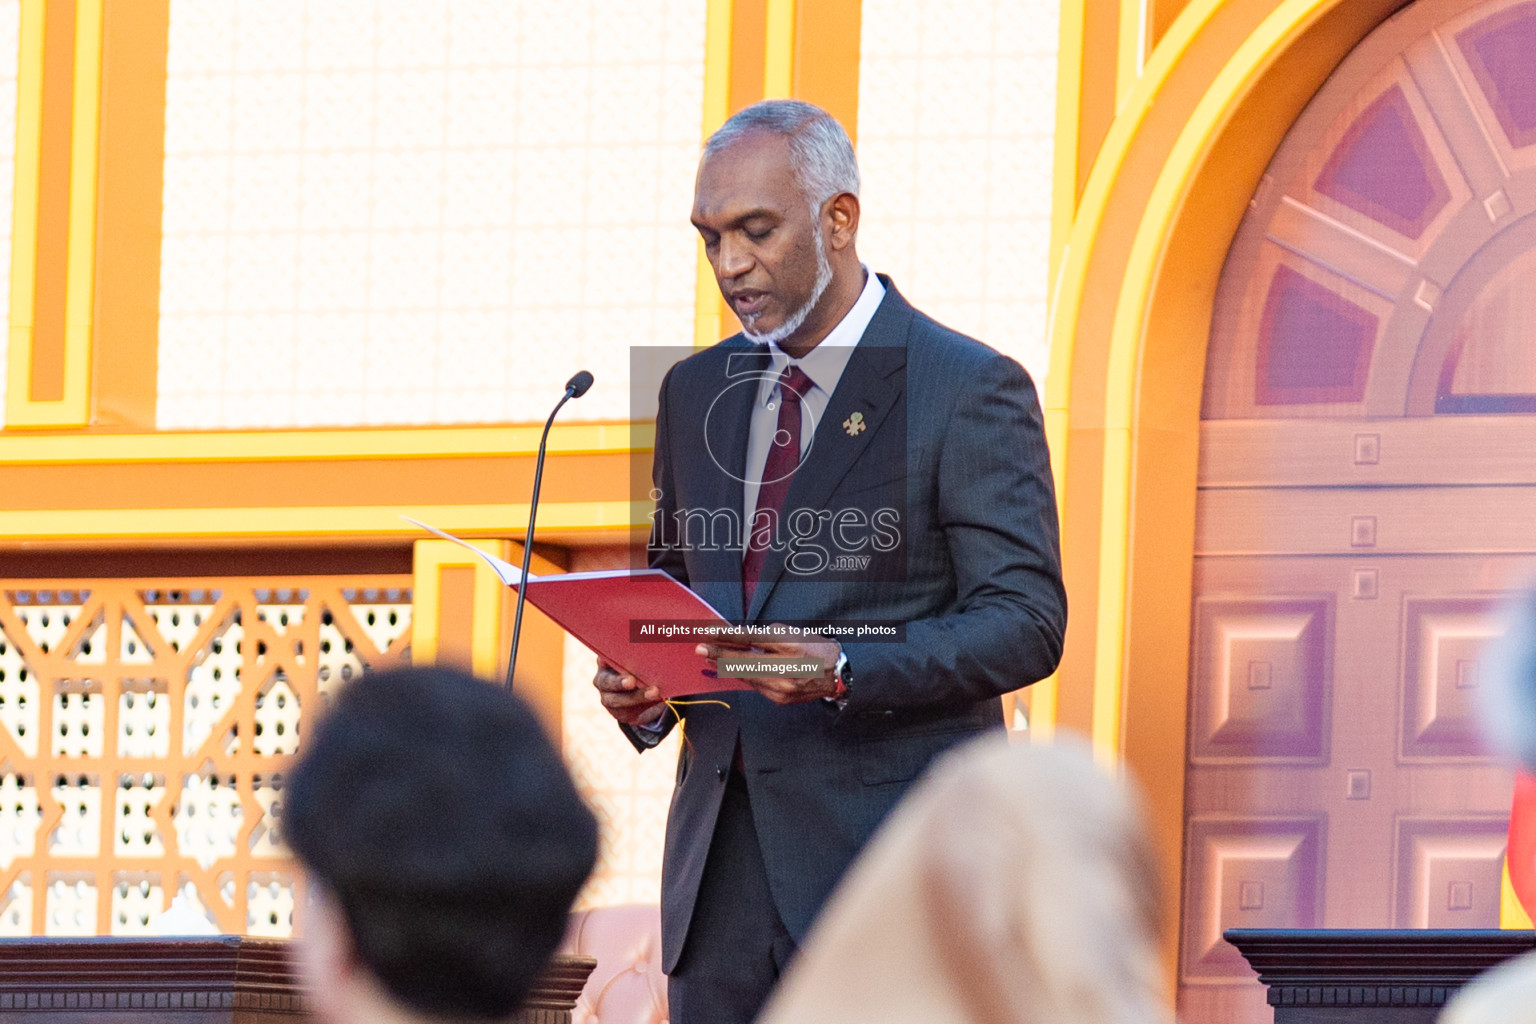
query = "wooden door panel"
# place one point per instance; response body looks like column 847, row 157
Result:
column 1449, row 871
column 1367, row 481
column 1247, row 872
column 1443, row 641
column 1262, row 669
column 1376, row 806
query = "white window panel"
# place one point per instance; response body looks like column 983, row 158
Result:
column 957, row 110
column 423, row 211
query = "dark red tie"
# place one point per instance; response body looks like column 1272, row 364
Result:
column 778, row 473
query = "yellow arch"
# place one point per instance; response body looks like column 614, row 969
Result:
column 1224, row 95
column 1166, row 192
column 1089, row 218
column 1227, row 90
column 1070, row 284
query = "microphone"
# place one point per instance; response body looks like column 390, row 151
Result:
column 574, row 388
column 577, row 385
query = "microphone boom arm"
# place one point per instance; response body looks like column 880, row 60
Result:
column 574, row 388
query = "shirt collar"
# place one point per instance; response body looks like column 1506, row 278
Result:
column 824, row 364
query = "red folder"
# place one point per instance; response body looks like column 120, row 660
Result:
column 608, row 611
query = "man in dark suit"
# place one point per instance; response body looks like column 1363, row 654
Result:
column 845, row 467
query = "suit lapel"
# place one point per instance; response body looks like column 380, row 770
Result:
column 726, row 417
column 870, row 385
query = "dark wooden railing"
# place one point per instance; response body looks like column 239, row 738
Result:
column 222, row 980
column 1370, row 976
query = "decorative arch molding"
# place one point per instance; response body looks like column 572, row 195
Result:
column 1129, row 329
column 1402, row 195
column 1508, row 245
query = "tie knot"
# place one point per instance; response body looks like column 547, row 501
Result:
column 794, row 384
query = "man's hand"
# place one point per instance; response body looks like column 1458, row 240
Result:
column 780, row 689
column 626, row 698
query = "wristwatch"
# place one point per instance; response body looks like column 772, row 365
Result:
column 842, row 675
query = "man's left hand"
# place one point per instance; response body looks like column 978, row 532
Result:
column 770, row 641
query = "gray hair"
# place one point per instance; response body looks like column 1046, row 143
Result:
column 819, row 149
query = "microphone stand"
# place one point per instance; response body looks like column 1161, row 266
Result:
column 574, row 388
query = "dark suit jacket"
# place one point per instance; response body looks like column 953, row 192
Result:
column 952, row 441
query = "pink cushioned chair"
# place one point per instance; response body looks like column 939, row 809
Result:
column 627, row 986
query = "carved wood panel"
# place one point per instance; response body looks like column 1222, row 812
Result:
column 1364, row 504
column 1390, row 816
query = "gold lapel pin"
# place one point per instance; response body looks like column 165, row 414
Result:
column 854, row 424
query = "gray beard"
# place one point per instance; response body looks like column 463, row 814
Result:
column 797, row 318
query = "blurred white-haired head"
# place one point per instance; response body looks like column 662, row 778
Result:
column 1509, row 683
column 1016, row 882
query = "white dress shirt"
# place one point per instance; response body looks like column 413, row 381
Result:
column 824, row 365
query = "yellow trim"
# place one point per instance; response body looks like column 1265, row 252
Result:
column 284, row 445
column 1120, row 376
column 74, row 408
column 717, row 107
column 311, row 521
column 1042, row 709
column 1069, row 94
column 428, row 559
column 425, row 596
column 29, row 155
column 80, row 280
column 485, row 627
column 1045, row 695
column 1146, row 253
column 1057, row 424
column 717, row 64
column 779, row 50
column 1066, row 306
column 1109, row 638
column 1131, row 46
column 1067, row 300
column 1511, row 913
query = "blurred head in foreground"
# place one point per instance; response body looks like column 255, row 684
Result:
column 1014, row 886
column 1509, row 683
column 444, row 841
column 1506, row 994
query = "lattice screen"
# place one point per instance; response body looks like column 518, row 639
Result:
column 144, row 728
column 628, row 792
